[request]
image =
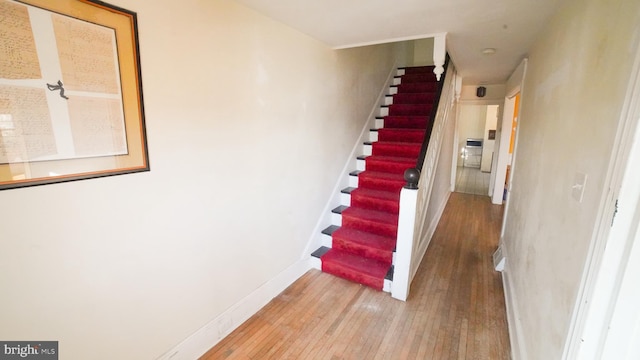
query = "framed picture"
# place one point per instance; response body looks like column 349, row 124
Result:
column 492, row 135
column 71, row 103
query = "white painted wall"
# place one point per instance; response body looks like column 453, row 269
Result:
column 249, row 124
column 423, row 52
column 576, row 80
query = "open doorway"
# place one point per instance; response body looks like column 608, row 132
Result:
column 476, row 134
column 506, row 137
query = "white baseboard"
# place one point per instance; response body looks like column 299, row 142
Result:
column 209, row 335
column 515, row 327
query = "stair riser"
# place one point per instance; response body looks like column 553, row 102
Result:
column 416, row 88
column 416, row 136
column 326, row 241
column 372, row 226
column 316, row 263
column 352, row 274
column 389, row 206
column 408, row 110
column 345, row 199
column 409, row 151
column 428, row 69
column 359, row 249
column 336, row 219
column 354, row 181
column 367, row 150
column 381, row 184
column 410, row 98
column 346, row 273
column 418, row 78
column 389, row 167
column 373, row 136
column 405, row 122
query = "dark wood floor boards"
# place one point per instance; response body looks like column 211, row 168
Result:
column 455, row 309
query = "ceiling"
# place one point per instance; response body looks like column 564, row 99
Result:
column 509, row 26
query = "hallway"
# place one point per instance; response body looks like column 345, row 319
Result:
column 455, row 310
column 471, row 180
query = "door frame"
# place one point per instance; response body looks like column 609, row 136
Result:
column 515, row 85
column 456, row 149
column 605, row 321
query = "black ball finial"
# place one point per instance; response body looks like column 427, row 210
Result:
column 411, row 176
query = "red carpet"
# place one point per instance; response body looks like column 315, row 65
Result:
column 362, row 248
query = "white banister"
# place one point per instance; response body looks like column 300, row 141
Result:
column 413, row 233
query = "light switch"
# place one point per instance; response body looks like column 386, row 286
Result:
column 579, row 183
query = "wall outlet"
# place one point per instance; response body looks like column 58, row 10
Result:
column 225, row 324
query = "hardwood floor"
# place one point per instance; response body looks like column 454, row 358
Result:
column 472, row 181
column 455, row 309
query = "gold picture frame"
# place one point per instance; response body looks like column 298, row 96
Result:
column 71, row 104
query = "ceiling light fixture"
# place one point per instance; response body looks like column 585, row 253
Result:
column 489, row 51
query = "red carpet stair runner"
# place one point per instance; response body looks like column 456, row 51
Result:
column 364, row 240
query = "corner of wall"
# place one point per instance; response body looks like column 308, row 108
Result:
column 423, row 52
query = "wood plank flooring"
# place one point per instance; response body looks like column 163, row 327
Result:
column 455, row 309
column 472, row 181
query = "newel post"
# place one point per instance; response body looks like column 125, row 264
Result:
column 404, row 245
column 411, row 176
column 439, row 54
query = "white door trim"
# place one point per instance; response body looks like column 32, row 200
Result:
column 503, row 141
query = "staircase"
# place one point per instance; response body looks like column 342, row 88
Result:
column 362, row 238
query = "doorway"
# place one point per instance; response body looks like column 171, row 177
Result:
column 476, row 134
column 501, row 171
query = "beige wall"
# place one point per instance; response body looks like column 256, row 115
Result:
column 249, row 124
column 574, row 88
column 423, row 52
column 488, row 145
